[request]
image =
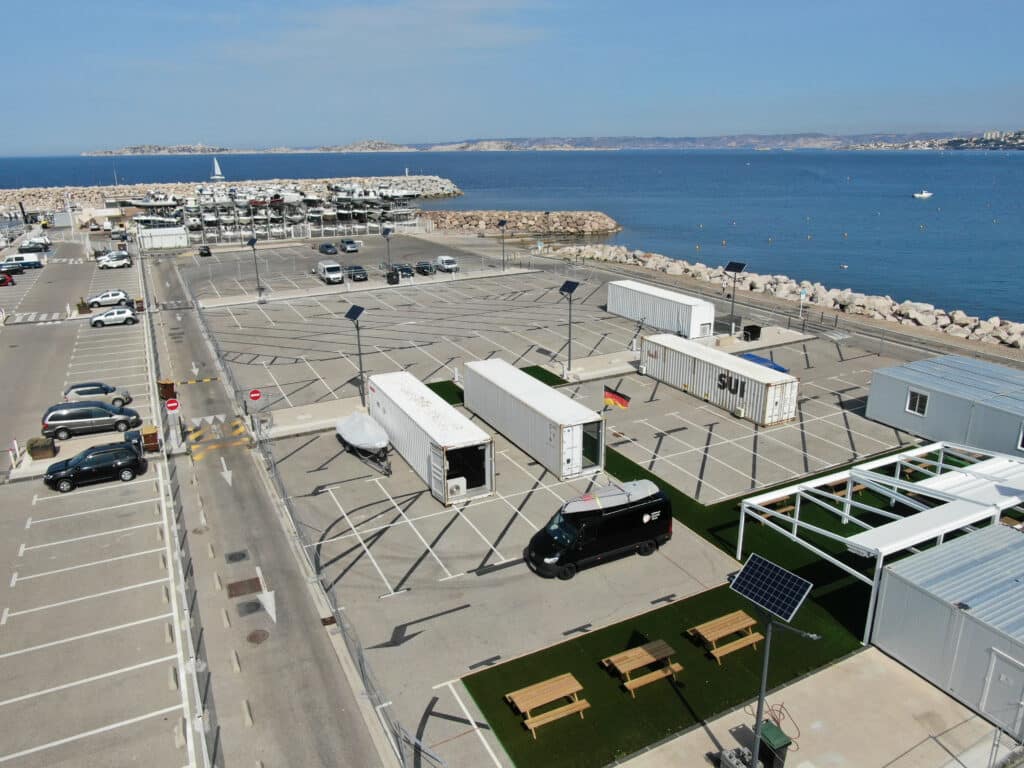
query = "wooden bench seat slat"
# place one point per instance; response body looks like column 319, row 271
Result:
column 723, row 650
column 550, row 716
column 638, row 682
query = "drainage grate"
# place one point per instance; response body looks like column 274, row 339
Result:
column 249, row 607
column 328, row 621
column 237, row 556
column 257, row 636
column 244, row 587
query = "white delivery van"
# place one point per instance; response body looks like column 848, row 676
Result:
column 450, row 453
column 330, row 272
column 445, row 263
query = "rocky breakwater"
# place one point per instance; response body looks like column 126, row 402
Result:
column 994, row 330
column 553, row 223
column 53, row 198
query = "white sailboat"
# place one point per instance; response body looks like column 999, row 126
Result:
column 924, row 194
column 217, row 175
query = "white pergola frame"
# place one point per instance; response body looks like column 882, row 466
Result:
column 833, row 494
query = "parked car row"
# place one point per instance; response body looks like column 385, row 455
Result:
column 345, row 246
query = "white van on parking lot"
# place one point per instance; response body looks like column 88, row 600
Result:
column 445, row 263
column 330, row 272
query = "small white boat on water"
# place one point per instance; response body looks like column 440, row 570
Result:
column 217, row 175
column 924, row 194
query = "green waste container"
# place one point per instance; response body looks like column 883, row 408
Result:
column 774, row 745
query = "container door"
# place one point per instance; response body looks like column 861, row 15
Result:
column 572, row 453
column 438, row 472
column 1003, row 697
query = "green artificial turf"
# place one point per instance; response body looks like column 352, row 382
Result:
column 448, row 391
column 542, row 374
column 617, row 725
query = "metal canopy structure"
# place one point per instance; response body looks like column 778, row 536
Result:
column 962, row 488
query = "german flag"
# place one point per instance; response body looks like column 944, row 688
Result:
column 611, row 397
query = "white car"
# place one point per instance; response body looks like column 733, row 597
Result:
column 109, row 299
column 118, row 316
column 115, row 260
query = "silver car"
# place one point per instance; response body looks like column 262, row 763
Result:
column 116, row 316
column 109, row 299
column 97, row 391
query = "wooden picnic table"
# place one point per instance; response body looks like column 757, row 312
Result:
column 630, row 660
column 531, row 697
column 730, row 624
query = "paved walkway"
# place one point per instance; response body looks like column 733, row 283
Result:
column 863, row 712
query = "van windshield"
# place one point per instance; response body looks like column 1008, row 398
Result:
column 561, row 530
column 332, row 270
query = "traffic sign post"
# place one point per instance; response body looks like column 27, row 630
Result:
column 255, row 394
column 172, row 405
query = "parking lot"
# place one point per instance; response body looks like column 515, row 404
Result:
column 87, row 645
column 290, row 267
column 436, row 592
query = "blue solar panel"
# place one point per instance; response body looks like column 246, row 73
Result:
column 771, row 587
column 763, row 361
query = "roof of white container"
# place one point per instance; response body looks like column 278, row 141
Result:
column 552, row 404
column 445, row 425
column 663, row 293
column 976, row 380
column 738, row 365
column 982, row 572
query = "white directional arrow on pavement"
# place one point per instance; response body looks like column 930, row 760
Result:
column 178, row 316
column 195, row 369
column 225, row 472
column 266, row 597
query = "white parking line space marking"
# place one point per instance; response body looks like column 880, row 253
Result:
column 366, row 549
column 94, row 633
column 36, row 521
column 61, row 542
column 415, row 530
column 470, row 719
column 277, row 384
column 82, row 491
column 107, row 593
column 93, row 732
column 20, row 578
column 87, row 680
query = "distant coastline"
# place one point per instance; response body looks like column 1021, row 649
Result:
column 992, row 140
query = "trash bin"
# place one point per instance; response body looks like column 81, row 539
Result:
column 165, row 389
column 774, row 745
column 393, row 277
column 140, row 305
column 751, row 332
column 150, row 440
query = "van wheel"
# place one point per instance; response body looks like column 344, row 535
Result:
column 647, row 548
column 566, row 572
column 62, row 434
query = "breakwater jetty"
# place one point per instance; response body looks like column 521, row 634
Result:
column 955, row 323
column 551, row 223
column 53, row 198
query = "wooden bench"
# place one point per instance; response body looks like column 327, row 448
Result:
column 724, row 650
column 659, row 674
column 533, row 723
column 1010, row 521
column 781, row 510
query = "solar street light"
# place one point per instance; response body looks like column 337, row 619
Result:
column 502, row 223
column 567, row 290
column 259, row 288
column 735, row 267
column 353, row 314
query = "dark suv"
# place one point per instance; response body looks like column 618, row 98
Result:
column 113, row 461
column 356, row 273
column 68, row 419
column 424, row 267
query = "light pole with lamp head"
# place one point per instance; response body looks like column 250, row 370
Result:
column 735, row 267
column 259, row 287
column 502, row 223
column 386, row 232
column 568, row 288
column 353, row 314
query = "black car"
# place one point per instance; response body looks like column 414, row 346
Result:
column 424, row 267
column 113, row 461
column 32, row 248
column 204, row 250
column 124, row 236
column 12, row 269
column 328, row 250
column 405, row 270
column 356, row 273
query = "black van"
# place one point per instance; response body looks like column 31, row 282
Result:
column 616, row 521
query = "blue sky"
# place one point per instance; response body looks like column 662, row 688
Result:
column 252, row 73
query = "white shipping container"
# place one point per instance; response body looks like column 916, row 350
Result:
column 564, row 436
column 748, row 390
column 452, row 455
column 661, row 308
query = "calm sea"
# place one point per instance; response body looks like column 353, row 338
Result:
column 801, row 214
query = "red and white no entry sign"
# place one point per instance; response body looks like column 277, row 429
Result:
column 255, row 394
column 172, row 405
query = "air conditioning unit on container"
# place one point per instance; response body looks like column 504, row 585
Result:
column 456, row 487
column 642, row 370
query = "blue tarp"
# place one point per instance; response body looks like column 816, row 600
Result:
column 763, row 361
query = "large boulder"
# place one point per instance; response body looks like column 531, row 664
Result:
column 961, row 318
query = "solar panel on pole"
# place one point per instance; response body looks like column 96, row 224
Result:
column 771, row 587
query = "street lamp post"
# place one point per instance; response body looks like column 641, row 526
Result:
column 259, row 287
column 568, row 288
column 387, row 239
column 735, row 267
column 502, row 223
column 353, row 314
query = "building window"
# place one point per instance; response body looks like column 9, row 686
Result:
column 917, row 402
